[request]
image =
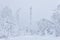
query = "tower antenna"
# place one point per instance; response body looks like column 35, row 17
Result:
column 30, row 15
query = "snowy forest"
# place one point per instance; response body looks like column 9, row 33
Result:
column 10, row 25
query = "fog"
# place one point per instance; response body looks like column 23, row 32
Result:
column 40, row 9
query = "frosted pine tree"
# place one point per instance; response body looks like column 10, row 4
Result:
column 56, row 19
column 46, row 27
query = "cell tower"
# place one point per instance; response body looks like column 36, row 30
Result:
column 30, row 15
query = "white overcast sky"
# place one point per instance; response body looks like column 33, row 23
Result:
column 40, row 8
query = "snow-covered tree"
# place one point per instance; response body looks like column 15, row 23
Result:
column 56, row 20
column 5, row 13
column 46, row 27
column 8, row 24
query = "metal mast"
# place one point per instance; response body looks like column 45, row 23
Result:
column 30, row 15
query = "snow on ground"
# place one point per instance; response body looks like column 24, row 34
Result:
column 33, row 38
